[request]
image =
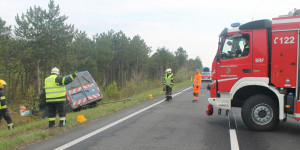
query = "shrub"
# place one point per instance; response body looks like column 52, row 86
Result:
column 112, row 91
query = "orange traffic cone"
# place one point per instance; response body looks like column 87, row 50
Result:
column 150, row 96
column 81, row 118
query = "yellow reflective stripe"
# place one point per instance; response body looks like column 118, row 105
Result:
column 63, row 81
column 62, row 118
column 51, row 119
column 2, row 97
column 56, row 92
column 3, row 107
column 197, row 80
column 55, row 100
column 55, row 95
column 47, row 88
column 247, row 47
column 71, row 76
column 11, row 124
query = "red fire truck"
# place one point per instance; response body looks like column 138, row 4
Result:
column 257, row 68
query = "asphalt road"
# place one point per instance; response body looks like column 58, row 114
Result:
column 176, row 125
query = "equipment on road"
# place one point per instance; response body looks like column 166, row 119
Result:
column 257, row 68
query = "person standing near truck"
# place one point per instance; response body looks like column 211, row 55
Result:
column 3, row 107
column 197, row 85
column 168, row 83
column 56, row 96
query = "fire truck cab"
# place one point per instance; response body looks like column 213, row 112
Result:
column 256, row 68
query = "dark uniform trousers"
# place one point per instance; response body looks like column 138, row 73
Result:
column 168, row 92
column 4, row 114
column 53, row 108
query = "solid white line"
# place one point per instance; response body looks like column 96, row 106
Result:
column 233, row 140
column 109, row 125
column 232, row 132
column 236, row 126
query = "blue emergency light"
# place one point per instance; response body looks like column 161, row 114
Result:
column 237, row 24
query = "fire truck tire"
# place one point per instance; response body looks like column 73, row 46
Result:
column 260, row 113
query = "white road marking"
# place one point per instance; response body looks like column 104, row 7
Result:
column 110, row 125
column 233, row 140
column 232, row 132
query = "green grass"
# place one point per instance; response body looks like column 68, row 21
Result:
column 37, row 129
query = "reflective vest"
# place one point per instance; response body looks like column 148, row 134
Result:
column 2, row 98
column 197, row 79
column 54, row 92
column 168, row 79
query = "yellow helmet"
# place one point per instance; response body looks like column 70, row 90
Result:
column 55, row 71
column 2, row 82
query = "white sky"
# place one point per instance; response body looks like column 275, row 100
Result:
column 192, row 24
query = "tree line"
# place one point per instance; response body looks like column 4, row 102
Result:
column 41, row 39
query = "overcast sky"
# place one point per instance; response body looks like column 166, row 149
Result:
column 192, row 24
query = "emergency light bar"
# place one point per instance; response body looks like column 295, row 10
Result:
column 237, row 24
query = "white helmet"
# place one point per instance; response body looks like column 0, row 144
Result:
column 55, row 71
column 168, row 70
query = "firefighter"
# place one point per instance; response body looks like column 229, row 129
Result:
column 168, row 83
column 3, row 107
column 246, row 47
column 197, row 85
column 56, row 96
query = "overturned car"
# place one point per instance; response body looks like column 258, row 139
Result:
column 83, row 91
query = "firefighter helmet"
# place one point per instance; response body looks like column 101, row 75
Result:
column 55, row 71
column 168, row 70
column 2, row 82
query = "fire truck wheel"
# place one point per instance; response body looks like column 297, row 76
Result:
column 260, row 113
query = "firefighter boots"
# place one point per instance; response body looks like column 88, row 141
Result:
column 62, row 123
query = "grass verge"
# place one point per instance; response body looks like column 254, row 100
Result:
column 37, row 129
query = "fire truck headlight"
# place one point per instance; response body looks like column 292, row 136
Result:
column 287, row 81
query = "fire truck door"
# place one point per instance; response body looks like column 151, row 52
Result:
column 284, row 59
column 235, row 60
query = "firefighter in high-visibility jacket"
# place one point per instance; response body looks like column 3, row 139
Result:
column 3, row 107
column 56, row 96
column 168, row 83
column 197, row 85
